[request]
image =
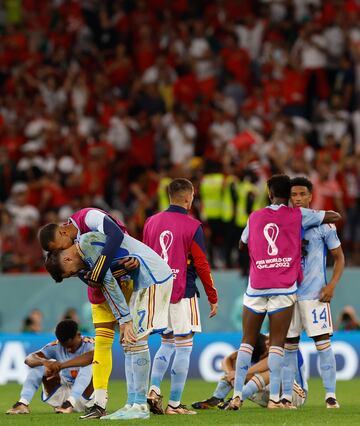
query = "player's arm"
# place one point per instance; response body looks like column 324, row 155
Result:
column 228, row 365
column 35, row 359
column 333, row 243
column 259, row 367
column 78, row 361
column 99, row 221
column 197, row 251
column 244, row 237
column 311, row 218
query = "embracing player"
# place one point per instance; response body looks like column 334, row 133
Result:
column 147, row 311
column 312, row 309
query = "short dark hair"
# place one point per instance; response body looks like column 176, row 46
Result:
column 302, row 181
column 66, row 330
column 179, row 185
column 279, row 186
column 53, row 265
column 259, row 348
column 47, row 235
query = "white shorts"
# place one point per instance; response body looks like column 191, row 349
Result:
column 184, row 317
column 269, row 304
column 149, row 308
column 62, row 393
column 312, row 316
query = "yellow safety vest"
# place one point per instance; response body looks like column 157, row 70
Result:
column 211, row 189
column 162, row 192
column 228, row 207
column 242, row 190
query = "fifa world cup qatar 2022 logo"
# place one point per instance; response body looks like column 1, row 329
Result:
column 166, row 239
column 271, row 232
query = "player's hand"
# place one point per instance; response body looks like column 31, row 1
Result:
column 130, row 263
column 127, row 335
column 230, row 376
column 52, row 369
column 213, row 309
column 326, row 294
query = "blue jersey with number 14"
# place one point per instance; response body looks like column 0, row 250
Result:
column 320, row 239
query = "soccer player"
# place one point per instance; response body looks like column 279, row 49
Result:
column 55, row 237
column 179, row 239
column 147, row 312
column 72, row 389
column 257, row 380
column 312, row 309
column 273, row 235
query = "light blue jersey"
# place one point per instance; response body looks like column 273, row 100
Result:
column 153, row 270
column 321, row 239
column 309, row 219
column 54, row 350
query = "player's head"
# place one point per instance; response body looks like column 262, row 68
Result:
column 181, row 192
column 63, row 263
column 55, row 237
column 301, row 192
column 279, row 188
column 67, row 333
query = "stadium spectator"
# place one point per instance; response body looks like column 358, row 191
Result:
column 33, row 322
column 347, row 320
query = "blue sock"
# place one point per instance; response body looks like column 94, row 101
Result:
column 327, row 367
column 222, row 389
column 275, row 362
column 31, row 385
column 129, row 377
column 161, row 363
column 243, row 362
column 140, row 360
column 289, row 369
column 179, row 370
column 255, row 384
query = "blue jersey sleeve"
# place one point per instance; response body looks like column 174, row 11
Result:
column 50, row 350
column 311, row 218
column 330, row 236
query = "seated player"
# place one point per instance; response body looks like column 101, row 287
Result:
column 56, row 237
column 257, row 380
column 69, row 390
column 148, row 311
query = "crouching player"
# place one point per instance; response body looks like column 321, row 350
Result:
column 69, row 390
column 147, row 311
column 257, row 380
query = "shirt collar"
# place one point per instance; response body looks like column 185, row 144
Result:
column 176, row 209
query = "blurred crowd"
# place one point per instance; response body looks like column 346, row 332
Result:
column 102, row 102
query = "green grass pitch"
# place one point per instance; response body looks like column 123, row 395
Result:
column 314, row 412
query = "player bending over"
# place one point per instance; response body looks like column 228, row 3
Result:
column 69, row 390
column 57, row 237
column 312, row 309
column 147, row 311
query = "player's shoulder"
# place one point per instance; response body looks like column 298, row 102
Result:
column 91, row 238
column 327, row 228
column 53, row 343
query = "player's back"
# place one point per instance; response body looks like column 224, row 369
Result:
column 314, row 263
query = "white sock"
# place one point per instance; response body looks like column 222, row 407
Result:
column 100, row 397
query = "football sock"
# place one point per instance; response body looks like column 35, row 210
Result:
column 327, row 367
column 32, row 382
column 275, row 362
column 255, row 384
column 179, row 370
column 222, row 389
column 140, row 360
column 289, row 369
column 102, row 364
column 243, row 362
column 161, row 363
column 129, row 377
